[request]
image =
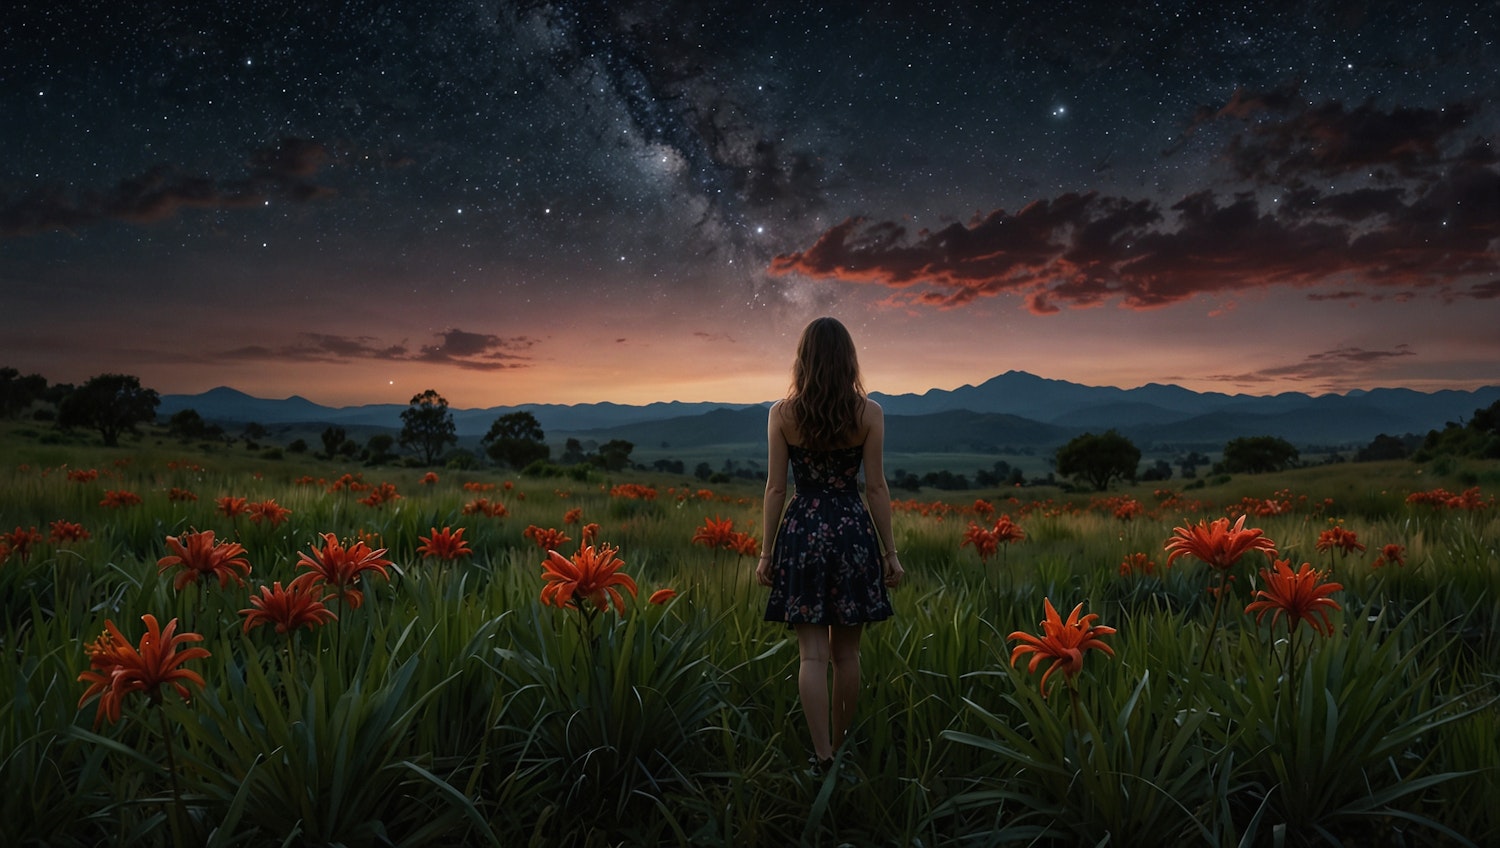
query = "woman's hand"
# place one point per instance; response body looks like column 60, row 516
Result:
column 893, row 571
column 763, row 571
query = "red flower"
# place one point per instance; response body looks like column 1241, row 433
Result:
column 744, row 544
column 232, row 507
column 119, row 499
column 80, row 475
column 1005, row 531
column 573, row 516
column 1062, row 642
column 20, row 541
column 546, row 538
column 380, row 495
column 300, row 604
column 661, row 596
column 429, row 478
column 269, row 511
column 1137, row 563
column 200, row 556
column 445, row 544
column 715, row 533
column 116, row 668
column 590, row 576
column 983, row 540
column 340, row 568
column 67, row 531
column 1217, row 544
column 1390, row 555
column 179, row 494
column 1299, row 595
column 589, row 534
column 1337, row 537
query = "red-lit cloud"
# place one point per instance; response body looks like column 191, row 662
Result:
column 1432, row 222
column 458, row 348
column 284, row 171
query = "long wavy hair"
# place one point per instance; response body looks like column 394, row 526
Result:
column 826, row 398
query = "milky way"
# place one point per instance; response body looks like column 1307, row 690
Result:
column 573, row 201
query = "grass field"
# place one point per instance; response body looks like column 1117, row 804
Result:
column 451, row 706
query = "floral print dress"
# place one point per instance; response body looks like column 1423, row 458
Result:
column 826, row 567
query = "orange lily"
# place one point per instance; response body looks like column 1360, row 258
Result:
column 590, row 575
column 1061, row 641
column 661, row 596
column 116, row 668
column 201, row 556
column 67, row 531
column 339, row 567
column 299, row 604
column 984, row 541
column 1217, row 544
column 1346, row 541
column 1299, row 595
column 445, row 544
column 1390, row 555
column 1006, row 531
column 715, row 533
column 546, row 538
column 232, row 507
column 269, row 511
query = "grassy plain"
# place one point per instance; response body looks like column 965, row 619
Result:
column 452, row 707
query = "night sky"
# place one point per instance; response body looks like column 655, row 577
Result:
column 516, row 202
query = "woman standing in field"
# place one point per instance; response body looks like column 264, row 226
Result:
column 834, row 557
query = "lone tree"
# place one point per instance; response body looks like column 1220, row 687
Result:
column 110, row 403
column 333, row 439
column 427, row 426
column 615, row 454
column 516, row 439
column 1258, row 454
column 1099, row 459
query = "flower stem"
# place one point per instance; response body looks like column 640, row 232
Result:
column 1213, row 626
column 175, row 811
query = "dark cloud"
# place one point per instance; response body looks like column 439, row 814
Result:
column 1325, row 365
column 714, row 337
column 1081, row 250
column 461, row 349
column 1484, row 291
column 283, row 171
column 1286, row 139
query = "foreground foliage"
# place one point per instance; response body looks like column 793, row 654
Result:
column 436, row 675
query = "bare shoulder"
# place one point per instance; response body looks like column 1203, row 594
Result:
column 872, row 412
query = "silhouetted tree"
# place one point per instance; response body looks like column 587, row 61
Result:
column 516, row 439
column 427, row 426
column 1258, row 454
column 113, row 404
column 1098, row 460
column 333, row 439
column 615, row 454
column 378, row 449
column 187, row 425
column 17, row 392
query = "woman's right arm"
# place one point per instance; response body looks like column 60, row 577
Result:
column 775, row 499
column 877, row 493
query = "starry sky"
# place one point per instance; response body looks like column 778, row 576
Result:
column 524, row 202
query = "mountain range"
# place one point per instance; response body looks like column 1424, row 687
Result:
column 1015, row 409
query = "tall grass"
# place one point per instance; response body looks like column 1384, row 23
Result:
column 453, row 708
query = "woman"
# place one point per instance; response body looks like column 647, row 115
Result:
column 833, row 558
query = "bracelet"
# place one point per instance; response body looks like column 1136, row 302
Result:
column 890, row 553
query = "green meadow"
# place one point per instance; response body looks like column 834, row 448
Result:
column 452, row 707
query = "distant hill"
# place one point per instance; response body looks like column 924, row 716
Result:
column 1012, row 409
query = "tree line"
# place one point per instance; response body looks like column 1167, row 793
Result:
column 115, row 405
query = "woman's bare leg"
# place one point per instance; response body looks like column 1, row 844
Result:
column 812, row 685
column 844, row 649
